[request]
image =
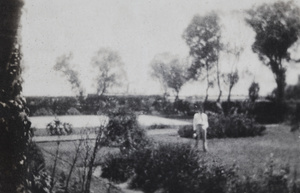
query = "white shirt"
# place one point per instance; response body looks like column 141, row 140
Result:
column 200, row 119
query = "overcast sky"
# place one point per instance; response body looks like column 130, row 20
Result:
column 138, row 30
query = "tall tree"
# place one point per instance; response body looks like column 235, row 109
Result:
column 253, row 91
column 277, row 28
column 171, row 72
column 110, row 69
column 159, row 71
column 63, row 65
column 14, row 133
column 232, row 77
column 203, row 38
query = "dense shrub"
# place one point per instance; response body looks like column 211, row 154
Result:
column 123, row 130
column 274, row 179
column 118, row 167
column 56, row 127
column 73, row 111
column 177, row 168
column 163, row 106
column 213, row 106
column 220, row 126
column 182, row 107
column 292, row 92
column 37, row 176
column 263, row 111
column 157, row 126
column 186, row 131
column 43, row 112
column 170, row 167
column 58, row 105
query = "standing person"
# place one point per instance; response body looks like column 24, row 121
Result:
column 200, row 125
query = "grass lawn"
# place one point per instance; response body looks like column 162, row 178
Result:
column 250, row 154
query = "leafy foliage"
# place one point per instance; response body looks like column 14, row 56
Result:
column 168, row 167
column 123, row 130
column 220, row 126
column 15, row 126
column 38, row 176
column 73, row 111
column 292, row 92
column 177, row 168
column 253, row 91
column 43, row 112
column 277, row 28
column 203, row 38
column 170, row 71
column 63, row 65
column 56, row 127
column 110, row 69
column 231, row 79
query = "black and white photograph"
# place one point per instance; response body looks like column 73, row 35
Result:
column 148, row 96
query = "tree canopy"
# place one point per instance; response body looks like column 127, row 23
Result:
column 110, row 70
column 63, row 65
column 254, row 91
column 277, row 28
column 170, row 71
column 203, row 38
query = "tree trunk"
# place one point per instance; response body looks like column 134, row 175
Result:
column 207, row 79
column 91, row 164
column 229, row 94
column 72, row 167
column 177, row 96
column 218, row 80
column 219, row 97
column 280, row 81
column 206, row 96
column 54, row 167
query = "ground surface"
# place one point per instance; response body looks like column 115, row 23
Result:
column 82, row 121
column 250, row 154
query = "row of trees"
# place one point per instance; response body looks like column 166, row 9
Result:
column 277, row 28
column 203, row 37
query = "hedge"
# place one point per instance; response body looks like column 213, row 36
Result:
column 221, row 126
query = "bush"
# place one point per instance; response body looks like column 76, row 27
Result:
column 182, row 107
column 221, row 126
column 123, row 130
column 157, row 126
column 73, row 111
column 117, row 167
column 177, row 168
column 275, row 179
column 169, row 167
column 37, row 175
column 269, row 112
column 43, row 112
column 56, row 127
column 186, row 131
